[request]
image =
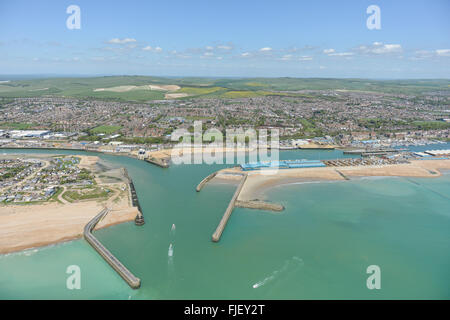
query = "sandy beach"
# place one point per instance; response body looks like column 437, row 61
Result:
column 28, row 226
column 87, row 162
column 167, row 153
column 24, row 226
column 258, row 183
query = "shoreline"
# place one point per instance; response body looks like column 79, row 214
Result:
column 26, row 226
column 52, row 224
column 258, row 184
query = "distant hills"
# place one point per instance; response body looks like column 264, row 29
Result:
column 146, row 88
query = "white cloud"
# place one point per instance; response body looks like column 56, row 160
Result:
column 387, row 48
column 265, row 49
column 290, row 57
column 287, row 57
column 443, row 52
column 422, row 54
column 341, row 54
column 224, row 47
column 121, row 41
column 150, row 48
column 332, row 52
column 246, row 54
column 380, row 48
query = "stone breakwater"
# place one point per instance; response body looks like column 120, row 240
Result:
column 132, row 281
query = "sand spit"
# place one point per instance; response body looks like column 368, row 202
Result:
column 87, row 162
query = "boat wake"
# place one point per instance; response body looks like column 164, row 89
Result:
column 289, row 266
column 170, row 252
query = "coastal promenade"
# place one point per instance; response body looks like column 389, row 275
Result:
column 132, row 280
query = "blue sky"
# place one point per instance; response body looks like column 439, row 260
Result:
column 240, row 38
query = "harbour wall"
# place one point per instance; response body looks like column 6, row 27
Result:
column 223, row 222
column 132, row 280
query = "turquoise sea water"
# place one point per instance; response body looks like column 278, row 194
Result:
column 319, row 247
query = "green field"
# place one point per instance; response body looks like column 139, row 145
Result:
column 105, row 129
column 205, row 87
column 16, row 125
column 87, row 194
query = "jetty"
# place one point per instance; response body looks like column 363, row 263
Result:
column 159, row 162
column 223, row 222
column 204, row 181
column 132, row 280
column 139, row 220
column 373, row 152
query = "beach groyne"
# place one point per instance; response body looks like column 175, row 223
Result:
column 223, row 222
column 342, row 175
column 132, row 280
column 260, row 205
column 204, row 181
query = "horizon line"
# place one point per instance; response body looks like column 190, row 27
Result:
column 62, row 75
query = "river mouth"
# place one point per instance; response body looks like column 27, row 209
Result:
column 319, row 248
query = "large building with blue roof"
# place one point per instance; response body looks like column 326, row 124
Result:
column 282, row 164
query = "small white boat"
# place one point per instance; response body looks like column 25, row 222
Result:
column 170, row 253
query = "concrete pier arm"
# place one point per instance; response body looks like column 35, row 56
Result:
column 163, row 163
column 132, row 281
column 204, row 181
column 217, row 234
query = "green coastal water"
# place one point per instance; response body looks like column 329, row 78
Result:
column 319, row 247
